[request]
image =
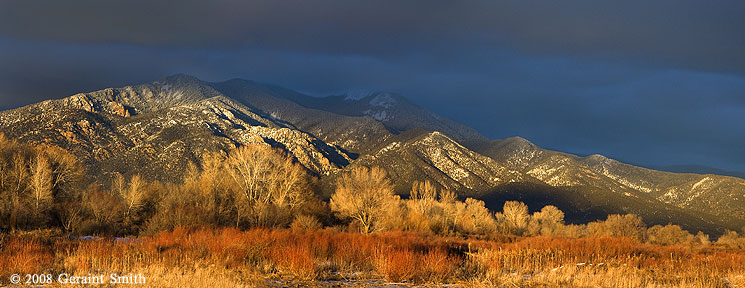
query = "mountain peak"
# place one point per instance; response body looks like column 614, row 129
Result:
column 519, row 140
column 180, row 77
column 171, row 91
column 157, row 128
column 176, row 81
column 179, row 82
column 238, row 81
column 597, row 157
column 517, row 143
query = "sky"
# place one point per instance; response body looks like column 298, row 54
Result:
column 653, row 83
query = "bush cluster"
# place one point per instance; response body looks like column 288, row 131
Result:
column 260, row 186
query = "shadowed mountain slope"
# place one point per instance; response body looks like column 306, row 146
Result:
column 157, row 129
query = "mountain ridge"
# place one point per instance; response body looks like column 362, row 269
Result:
column 157, row 128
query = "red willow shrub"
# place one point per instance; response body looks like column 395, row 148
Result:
column 395, row 256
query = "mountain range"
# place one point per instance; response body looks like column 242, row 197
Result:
column 156, row 129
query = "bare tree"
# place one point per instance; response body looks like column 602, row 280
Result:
column 361, row 194
column 289, row 183
column 35, row 180
column 515, row 215
column 424, row 195
column 68, row 195
column 134, row 196
column 548, row 221
column 70, row 214
column 41, row 184
column 447, row 196
column 209, row 186
column 104, row 206
column 249, row 167
column 19, row 175
column 627, row 225
column 266, row 183
column 4, row 175
column 479, row 218
column 66, row 171
column 669, row 235
column 131, row 195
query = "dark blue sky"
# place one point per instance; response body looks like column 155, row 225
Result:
column 647, row 82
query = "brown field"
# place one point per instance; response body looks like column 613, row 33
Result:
column 372, row 237
column 228, row 257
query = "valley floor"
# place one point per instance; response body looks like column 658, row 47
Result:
column 226, row 257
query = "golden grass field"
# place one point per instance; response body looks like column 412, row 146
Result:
column 228, row 257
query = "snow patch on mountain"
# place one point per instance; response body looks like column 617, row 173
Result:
column 377, row 115
column 384, row 100
column 699, row 183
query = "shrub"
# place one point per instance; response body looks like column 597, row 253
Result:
column 731, row 239
column 305, row 222
column 24, row 256
column 397, row 265
column 702, row 238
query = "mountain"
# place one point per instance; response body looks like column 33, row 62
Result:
column 698, row 169
column 356, row 134
column 419, row 155
column 156, row 129
column 397, row 113
column 714, row 195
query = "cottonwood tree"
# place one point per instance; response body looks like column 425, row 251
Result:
column 424, row 195
column 13, row 181
column 34, row 182
column 133, row 195
column 180, row 205
column 703, row 238
column 668, row 235
column 447, row 196
column 66, row 173
column 449, row 202
column 68, row 193
column 361, row 194
column 103, row 206
column 548, row 221
column 207, row 185
column 627, row 225
column 732, row 239
column 18, row 174
column 478, row 218
column 289, row 187
column 40, row 186
column 514, row 217
column 267, row 184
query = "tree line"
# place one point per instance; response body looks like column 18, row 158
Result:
column 259, row 186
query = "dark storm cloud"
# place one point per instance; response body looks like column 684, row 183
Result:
column 683, row 33
column 650, row 82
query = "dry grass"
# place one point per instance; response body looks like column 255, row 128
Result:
column 206, row 257
column 24, row 255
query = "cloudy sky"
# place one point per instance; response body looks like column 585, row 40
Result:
column 646, row 82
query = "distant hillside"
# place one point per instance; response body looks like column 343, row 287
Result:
column 698, row 169
column 156, row 129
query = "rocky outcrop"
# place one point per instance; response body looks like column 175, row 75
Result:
column 157, row 129
column 179, row 119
